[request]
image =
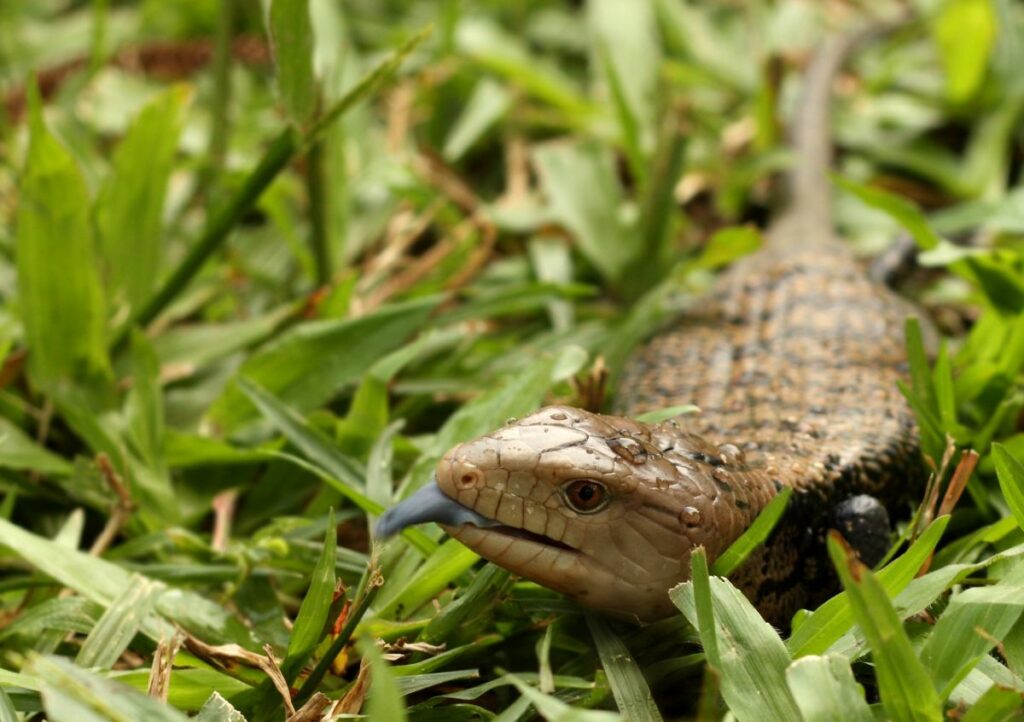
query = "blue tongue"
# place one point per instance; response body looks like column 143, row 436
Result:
column 428, row 504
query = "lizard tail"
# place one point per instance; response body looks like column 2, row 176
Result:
column 809, row 214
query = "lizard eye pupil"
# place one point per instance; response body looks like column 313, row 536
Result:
column 585, row 495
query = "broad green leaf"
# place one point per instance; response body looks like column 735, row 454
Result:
column 118, row 625
column 60, row 302
column 970, row 627
column 1011, row 480
column 753, row 537
column 18, row 451
column 825, row 625
column 656, row 416
column 965, row 31
column 485, row 106
column 129, row 210
column 825, row 690
column 900, row 209
column 191, row 687
column 903, row 682
column 584, row 195
column 7, row 711
column 71, row 694
column 312, row 617
column 998, row 704
column 553, row 709
column 506, row 55
column 439, row 570
column 144, row 407
column 625, row 37
column 103, row 582
column 310, row 441
column 632, row 695
column 307, row 365
column 218, row 709
column 385, row 699
column 65, row 614
column 291, row 33
column 481, row 594
column 728, row 244
column 744, row 649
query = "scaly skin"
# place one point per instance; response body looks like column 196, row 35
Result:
column 793, row 359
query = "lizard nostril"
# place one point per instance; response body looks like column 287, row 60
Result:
column 468, row 479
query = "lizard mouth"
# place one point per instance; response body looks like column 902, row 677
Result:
column 529, row 536
column 431, row 504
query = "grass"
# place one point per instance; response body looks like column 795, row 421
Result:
column 247, row 304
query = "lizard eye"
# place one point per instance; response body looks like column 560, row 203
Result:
column 585, row 495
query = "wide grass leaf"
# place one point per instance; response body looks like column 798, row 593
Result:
column 825, row 690
column 753, row 537
column 739, row 644
column 309, row 364
column 998, row 704
column 632, row 695
column 129, row 211
column 904, row 685
column 972, row 624
column 218, row 709
column 312, row 617
column 59, row 294
column 965, row 31
column 118, row 625
column 18, row 451
column 291, row 32
column 385, row 699
column 584, row 195
column 70, row 694
column 103, row 582
column 1011, row 480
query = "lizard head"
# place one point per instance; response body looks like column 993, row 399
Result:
column 604, row 509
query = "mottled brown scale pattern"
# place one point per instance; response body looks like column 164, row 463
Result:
column 795, row 359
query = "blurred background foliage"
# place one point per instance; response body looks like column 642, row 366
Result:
column 262, row 264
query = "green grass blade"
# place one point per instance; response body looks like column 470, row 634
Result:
column 218, row 709
column 310, row 441
column 312, row 618
column 307, row 365
column 740, row 646
column 129, row 210
column 440, row 569
column 753, row 537
column 61, row 303
column 970, row 627
column 118, row 625
column 965, row 33
column 7, row 711
column 632, row 695
column 825, row 625
column 585, row 196
column 103, row 582
column 283, row 149
column 385, row 699
column 1011, row 480
column 825, row 690
column 70, row 694
column 999, row 704
column 906, row 689
column 291, row 33
column 19, row 451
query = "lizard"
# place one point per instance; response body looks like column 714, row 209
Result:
column 793, row 360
